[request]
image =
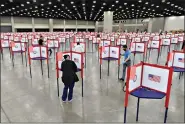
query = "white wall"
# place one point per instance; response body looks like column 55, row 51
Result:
column 43, row 23
column 174, row 23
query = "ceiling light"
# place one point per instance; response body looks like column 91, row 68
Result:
column 132, row 5
column 176, row 6
column 72, row 2
column 157, row 6
column 140, row 1
column 13, row 8
column 22, row 4
column 83, row 4
column 28, row 2
column 55, row 6
column 49, row 3
column 125, row 3
column 93, row 6
column 117, row 1
column 94, row 1
column 112, row 4
column 146, row 3
column 168, row 2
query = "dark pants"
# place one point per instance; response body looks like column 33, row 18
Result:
column 125, row 65
column 65, row 91
column 50, row 52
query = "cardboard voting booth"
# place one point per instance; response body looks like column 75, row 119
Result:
column 174, row 40
column 18, row 47
column 35, row 42
column 181, row 38
column 152, row 84
column 145, row 39
column 154, row 45
column 38, row 53
column 175, row 59
column 156, row 38
column 165, row 42
column 121, row 41
column 138, row 48
column 105, row 43
column 5, row 43
column 74, row 56
column 136, row 39
column 109, row 53
column 54, row 44
column 96, row 40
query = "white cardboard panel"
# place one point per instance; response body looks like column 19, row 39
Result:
column 178, row 60
column 166, row 42
column 53, row 43
column 18, row 47
column 5, row 43
column 133, row 47
column 146, row 38
column 140, row 47
column 62, row 40
column 137, row 80
column 154, row 44
column 105, row 53
column 174, row 40
column 114, row 52
column 181, row 38
column 35, row 42
column 156, row 38
column 36, row 52
column 77, row 59
column 162, row 73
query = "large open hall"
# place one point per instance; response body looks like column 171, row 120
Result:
column 92, row 61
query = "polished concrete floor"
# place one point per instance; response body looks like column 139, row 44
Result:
column 35, row 100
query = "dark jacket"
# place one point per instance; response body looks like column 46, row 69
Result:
column 41, row 42
column 69, row 70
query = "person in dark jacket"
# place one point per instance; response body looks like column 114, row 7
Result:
column 69, row 76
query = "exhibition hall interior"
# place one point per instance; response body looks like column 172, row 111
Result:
column 92, row 61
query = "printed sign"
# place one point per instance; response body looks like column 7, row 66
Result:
column 77, row 58
column 5, row 43
column 38, row 52
column 114, row 52
column 174, row 40
column 18, row 47
column 166, row 42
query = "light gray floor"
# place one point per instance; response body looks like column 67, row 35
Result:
column 35, row 100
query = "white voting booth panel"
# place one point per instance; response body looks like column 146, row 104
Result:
column 5, row 43
column 136, row 82
column 96, row 40
column 166, row 42
column 114, row 52
column 155, row 78
column 62, row 39
column 60, row 62
column 53, row 43
column 24, row 40
column 154, row 44
column 174, row 40
column 112, row 38
column 121, row 41
column 35, row 42
column 105, row 52
column 181, row 38
column 19, row 47
column 80, row 40
column 17, row 39
column 136, row 39
column 11, row 38
column 178, row 60
column 145, row 39
column 156, row 38
column 105, row 43
column 137, row 47
column 35, row 53
column 77, row 58
column 6, row 38
column 74, row 44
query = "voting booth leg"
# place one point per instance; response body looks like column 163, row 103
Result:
column 118, row 70
column 166, row 114
column 92, row 46
column 158, row 58
column 13, row 60
column 108, row 67
column 57, row 87
column 48, row 69
column 125, row 115
column 22, row 57
column 149, row 54
column 30, row 71
column 25, row 59
column 134, row 58
column 100, row 71
column 82, row 88
column 85, row 59
column 138, row 100
column 41, row 66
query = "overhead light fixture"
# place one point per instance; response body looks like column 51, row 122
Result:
column 72, row 2
column 132, row 5
column 83, row 4
column 146, row 3
column 104, row 4
column 28, row 2
column 112, row 4
column 139, row 1
column 125, row 3
column 157, row 6
column 2, row 4
column 168, row 2
column 49, row 3
column 94, row 1
column 22, row 4
column 117, row 1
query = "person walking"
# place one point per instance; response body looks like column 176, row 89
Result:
column 126, row 62
column 69, row 77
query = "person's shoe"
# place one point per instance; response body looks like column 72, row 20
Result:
column 121, row 79
column 70, row 100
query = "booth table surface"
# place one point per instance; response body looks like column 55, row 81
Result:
column 35, row 100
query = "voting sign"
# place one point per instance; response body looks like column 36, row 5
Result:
column 181, row 38
column 17, row 39
column 145, row 39
column 62, row 39
column 35, row 42
column 121, row 41
column 53, row 43
column 16, row 47
column 38, row 52
column 112, row 38
column 105, row 52
column 174, row 40
column 105, row 43
column 136, row 39
column 137, row 47
column 5, row 43
column 156, row 78
column 178, row 59
column 136, row 80
column 156, row 38
column 77, row 58
column 165, row 42
column 114, row 52
column 154, row 44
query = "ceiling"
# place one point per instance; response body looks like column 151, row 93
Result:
column 92, row 9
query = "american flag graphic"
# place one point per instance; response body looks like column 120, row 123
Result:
column 154, row 43
column 113, row 52
column 139, row 46
column 76, row 60
column 181, row 60
column 154, row 78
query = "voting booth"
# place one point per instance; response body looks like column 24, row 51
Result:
column 138, row 48
column 148, row 81
column 16, row 48
column 154, row 45
column 121, row 41
column 109, row 53
column 35, row 42
column 145, row 39
column 166, row 42
column 74, row 56
column 175, row 59
column 38, row 53
column 105, row 43
column 136, row 39
column 53, row 44
column 83, row 45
